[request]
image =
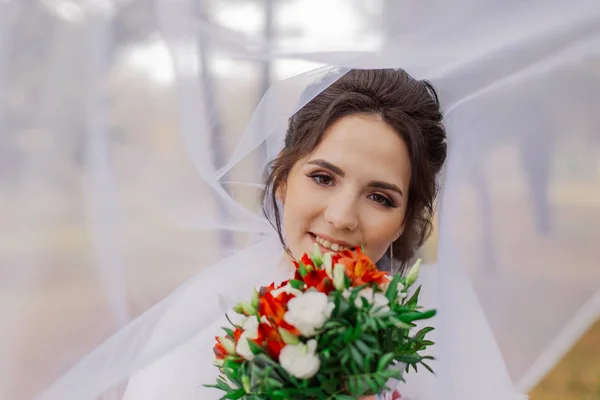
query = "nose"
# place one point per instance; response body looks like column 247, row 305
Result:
column 342, row 213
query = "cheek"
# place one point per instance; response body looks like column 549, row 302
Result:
column 300, row 207
column 379, row 231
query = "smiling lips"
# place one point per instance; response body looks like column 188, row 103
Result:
column 328, row 244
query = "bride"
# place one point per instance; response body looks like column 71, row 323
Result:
column 356, row 158
column 359, row 168
column 359, row 165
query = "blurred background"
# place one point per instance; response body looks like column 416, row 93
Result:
column 92, row 161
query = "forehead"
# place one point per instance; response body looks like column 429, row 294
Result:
column 365, row 143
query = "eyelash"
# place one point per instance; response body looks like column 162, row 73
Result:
column 317, row 177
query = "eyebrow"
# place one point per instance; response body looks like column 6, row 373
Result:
column 340, row 172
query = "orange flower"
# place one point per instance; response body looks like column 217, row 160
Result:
column 274, row 309
column 360, row 269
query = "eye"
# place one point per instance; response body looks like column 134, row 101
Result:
column 382, row 200
column 322, row 179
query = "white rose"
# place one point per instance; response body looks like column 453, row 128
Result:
column 308, row 312
column 300, row 360
column 250, row 333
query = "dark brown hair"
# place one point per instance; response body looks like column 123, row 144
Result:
column 411, row 107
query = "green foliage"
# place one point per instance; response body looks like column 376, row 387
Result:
column 361, row 347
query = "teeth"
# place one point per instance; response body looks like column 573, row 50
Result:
column 328, row 245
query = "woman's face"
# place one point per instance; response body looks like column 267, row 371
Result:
column 352, row 190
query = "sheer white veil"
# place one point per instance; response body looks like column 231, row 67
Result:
column 134, row 136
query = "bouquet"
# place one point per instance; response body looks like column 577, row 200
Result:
column 339, row 330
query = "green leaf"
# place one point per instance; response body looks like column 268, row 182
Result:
column 416, row 315
column 369, row 361
column 392, row 291
column 348, row 336
column 274, row 382
column 255, row 298
column 265, row 359
column 427, row 367
column 228, row 331
column 372, row 384
column 347, row 282
column 361, row 386
column 360, row 345
column 237, row 394
column 345, row 358
column 356, row 356
column 370, row 339
column 414, row 299
column 302, row 269
column 352, row 385
column 409, row 358
column 365, row 303
column 297, row 284
column 401, row 324
column 399, row 309
column 211, row 386
column 421, row 334
column 328, row 384
column 428, row 314
column 385, row 361
column 255, row 348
